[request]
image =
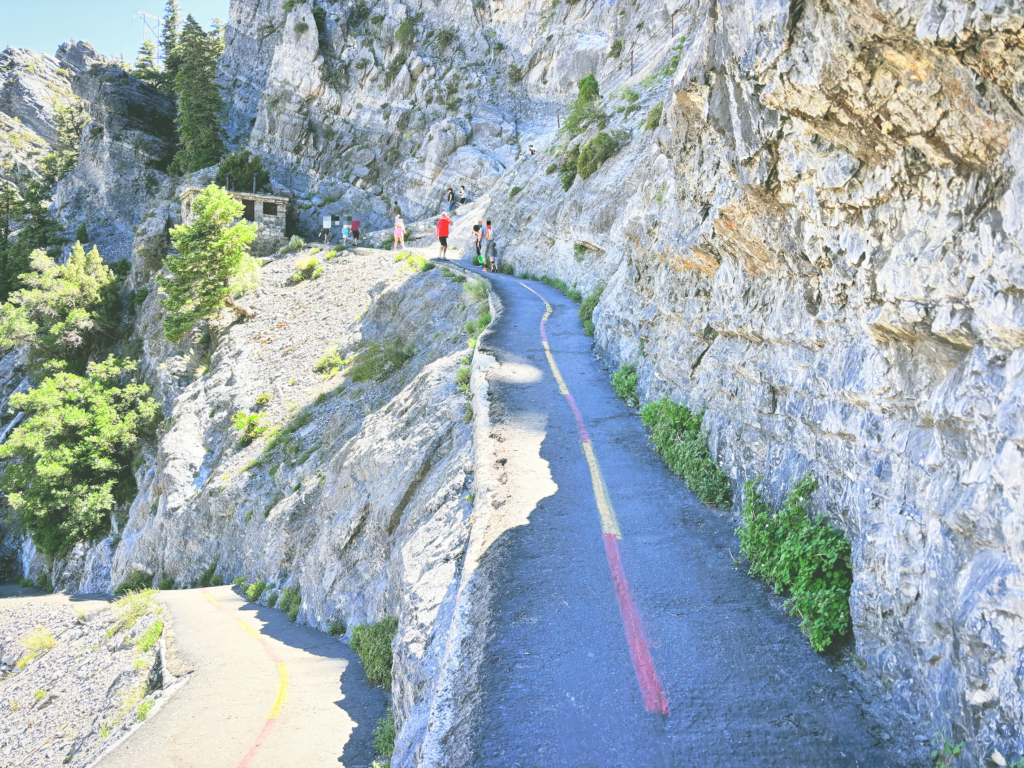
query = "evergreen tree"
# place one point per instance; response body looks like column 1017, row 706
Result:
column 145, row 64
column 10, row 212
column 169, row 43
column 70, row 460
column 211, row 252
column 39, row 231
column 244, row 169
column 200, row 105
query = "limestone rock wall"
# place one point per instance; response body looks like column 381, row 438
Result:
column 821, row 243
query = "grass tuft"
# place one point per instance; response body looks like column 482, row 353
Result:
column 378, row 360
column 137, row 581
column 307, row 268
column 145, row 643
column 624, row 382
column 384, row 735
column 39, row 640
column 132, row 607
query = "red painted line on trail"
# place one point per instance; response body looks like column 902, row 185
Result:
column 639, row 651
column 643, row 664
column 255, row 748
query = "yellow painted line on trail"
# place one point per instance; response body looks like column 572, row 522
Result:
column 210, row 598
column 282, row 672
column 609, row 522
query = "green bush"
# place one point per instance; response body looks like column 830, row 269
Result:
column 255, row 591
column 594, row 153
column 166, row 584
column 290, row 600
column 357, row 14
column 295, row 244
column 395, row 67
column 320, row 18
column 515, row 74
column 551, row 168
column 307, row 269
column 238, row 581
column 373, row 644
column 463, row 376
column 514, row 191
column 262, row 400
column 301, row 27
column 137, row 582
column 329, row 364
column 653, row 117
column 243, row 167
column 587, row 310
column 272, row 599
column 676, row 435
column 586, row 109
column 444, row 38
column 384, row 735
column 206, row 577
column 293, row 612
column 249, row 426
column 378, row 360
column 624, row 382
column 405, row 34
column 567, row 168
column 82, row 234
column 616, row 50
column 807, row 558
column 336, row 628
column 70, row 459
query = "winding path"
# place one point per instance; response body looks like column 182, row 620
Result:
column 261, row 692
column 623, row 632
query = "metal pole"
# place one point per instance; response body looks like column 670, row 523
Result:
column 254, row 183
column 631, row 63
column 673, row 26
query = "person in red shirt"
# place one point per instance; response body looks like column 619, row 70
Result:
column 442, row 234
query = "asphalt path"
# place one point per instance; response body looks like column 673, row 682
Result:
column 624, row 632
column 260, row 692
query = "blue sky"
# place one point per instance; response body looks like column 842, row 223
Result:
column 109, row 25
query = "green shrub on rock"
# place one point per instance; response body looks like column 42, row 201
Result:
column 307, row 269
column 676, row 435
column 378, row 360
column 373, row 644
column 243, row 168
column 594, row 153
column 653, row 117
column 82, row 234
column 624, row 382
column 806, row 558
column 587, row 310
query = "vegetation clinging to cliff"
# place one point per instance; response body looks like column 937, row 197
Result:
column 797, row 554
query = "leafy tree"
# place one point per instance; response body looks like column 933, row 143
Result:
column 243, row 167
column 169, row 43
column 145, row 64
column 211, row 252
column 65, row 310
column 200, row 105
column 71, row 457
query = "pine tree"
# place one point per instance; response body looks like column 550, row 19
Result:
column 200, row 105
column 145, row 64
column 211, row 252
column 10, row 213
column 169, row 43
column 39, row 231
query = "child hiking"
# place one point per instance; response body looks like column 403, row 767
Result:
column 450, row 197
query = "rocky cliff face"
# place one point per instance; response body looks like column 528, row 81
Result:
column 821, row 244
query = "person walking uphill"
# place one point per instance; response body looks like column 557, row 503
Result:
column 442, row 234
column 462, row 195
column 399, row 232
column 450, row 197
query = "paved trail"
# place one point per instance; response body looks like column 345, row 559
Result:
column 624, row 634
column 262, row 693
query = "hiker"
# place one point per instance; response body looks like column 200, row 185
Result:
column 450, row 197
column 346, row 232
column 442, row 234
column 490, row 255
column 355, row 232
column 399, row 232
column 462, row 195
column 532, row 150
column 478, row 234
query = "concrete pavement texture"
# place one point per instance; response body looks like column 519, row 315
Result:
column 261, row 692
column 623, row 631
